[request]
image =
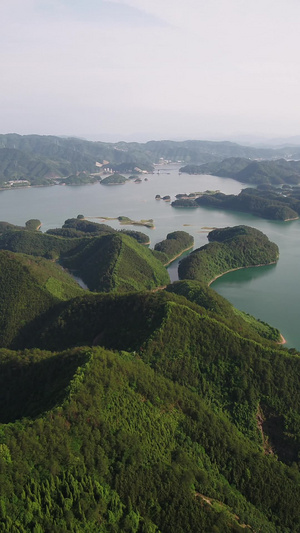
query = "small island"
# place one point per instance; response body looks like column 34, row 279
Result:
column 229, row 249
column 126, row 221
column 173, row 246
column 114, row 179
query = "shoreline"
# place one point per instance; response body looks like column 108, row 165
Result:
column 239, row 268
column 288, row 219
column 129, row 222
column 178, row 255
column 282, row 339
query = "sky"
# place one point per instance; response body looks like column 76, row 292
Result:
column 150, row 69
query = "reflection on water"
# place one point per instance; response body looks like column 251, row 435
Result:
column 244, row 275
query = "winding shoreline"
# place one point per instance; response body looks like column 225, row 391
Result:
column 178, row 255
column 282, row 339
column 239, row 268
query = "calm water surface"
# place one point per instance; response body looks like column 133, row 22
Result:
column 270, row 293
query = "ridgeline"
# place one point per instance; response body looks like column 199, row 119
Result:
column 141, row 411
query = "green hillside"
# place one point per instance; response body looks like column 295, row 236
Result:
column 252, row 172
column 187, row 343
column 90, row 465
column 29, row 287
column 105, row 259
column 230, row 248
column 116, row 262
column 220, row 308
column 173, row 246
column 80, row 227
column 274, row 204
column 114, row 179
column 40, row 159
column 141, row 410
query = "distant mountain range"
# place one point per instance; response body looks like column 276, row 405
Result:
column 254, row 172
column 39, row 159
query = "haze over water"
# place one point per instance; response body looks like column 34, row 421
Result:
column 270, row 293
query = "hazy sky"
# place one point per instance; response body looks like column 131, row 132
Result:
column 150, row 68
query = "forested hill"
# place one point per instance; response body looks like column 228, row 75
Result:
column 191, row 444
column 40, row 158
column 252, row 172
column 228, row 249
column 143, row 411
column 106, row 259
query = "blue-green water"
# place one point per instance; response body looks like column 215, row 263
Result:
column 269, row 293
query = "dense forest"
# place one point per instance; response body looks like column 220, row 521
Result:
column 137, row 407
column 228, row 249
column 270, row 203
column 253, row 172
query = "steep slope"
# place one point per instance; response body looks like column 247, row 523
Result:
column 28, row 288
column 116, row 262
column 105, row 259
column 195, row 347
column 245, row 324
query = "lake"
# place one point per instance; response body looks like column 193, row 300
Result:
column 270, row 293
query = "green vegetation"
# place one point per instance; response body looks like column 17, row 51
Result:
column 230, row 248
column 114, row 179
column 126, row 221
column 33, row 224
column 29, row 287
column 116, row 262
column 106, row 260
column 80, row 178
column 45, row 159
column 173, row 246
column 86, row 226
column 274, row 204
column 140, row 237
column 83, row 226
column 252, row 172
column 37, row 243
column 124, row 435
column 141, row 410
column 222, row 310
column 4, row 226
column 110, row 475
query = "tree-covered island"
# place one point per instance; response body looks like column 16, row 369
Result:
column 271, row 203
column 229, row 249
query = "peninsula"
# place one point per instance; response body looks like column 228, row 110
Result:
column 229, row 249
column 271, row 203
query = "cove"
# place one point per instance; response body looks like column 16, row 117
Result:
column 270, row 293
